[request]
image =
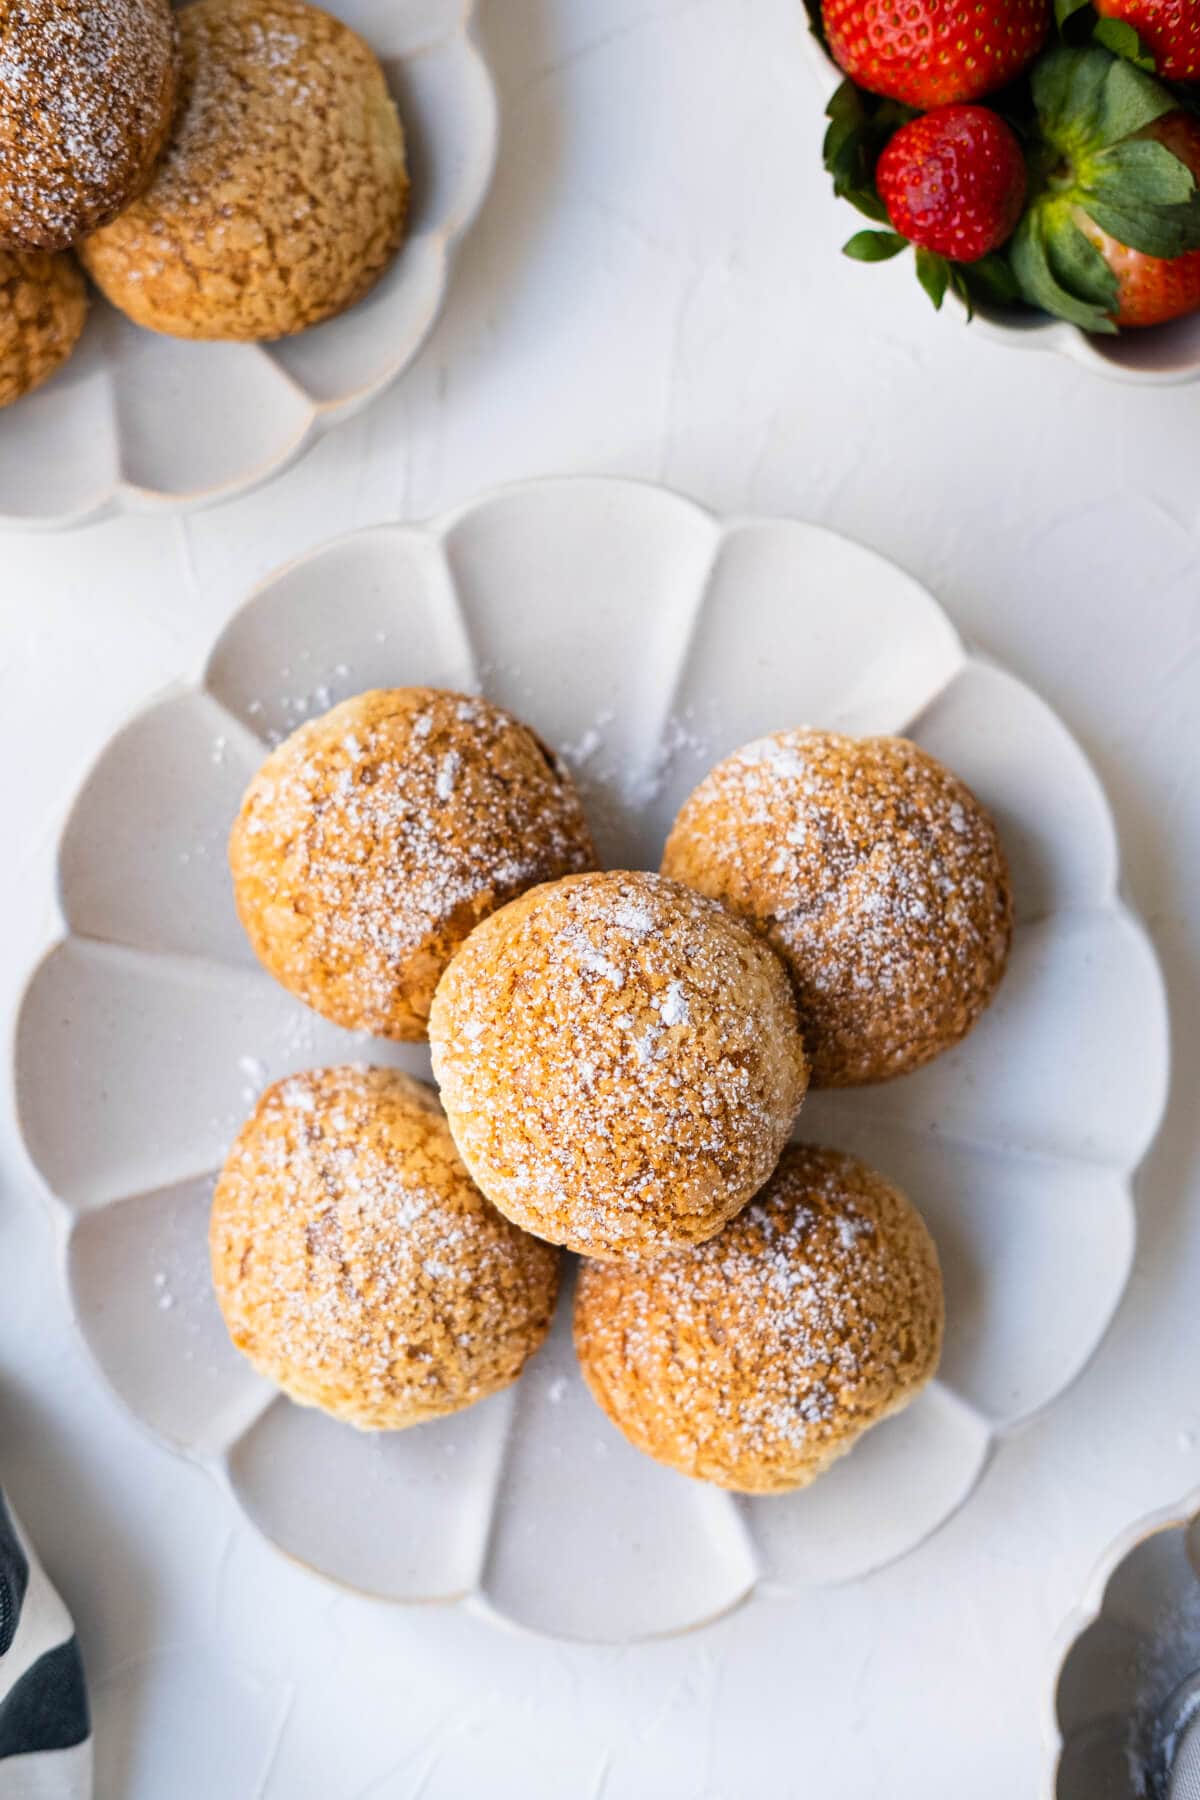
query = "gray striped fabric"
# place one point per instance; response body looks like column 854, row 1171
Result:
column 1183, row 1755
column 45, row 1733
column 1185, row 1775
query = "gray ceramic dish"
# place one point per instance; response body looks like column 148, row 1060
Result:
column 1131, row 1656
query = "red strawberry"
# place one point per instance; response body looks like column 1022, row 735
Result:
column 930, row 52
column 1153, row 289
column 953, row 181
column 1169, row 29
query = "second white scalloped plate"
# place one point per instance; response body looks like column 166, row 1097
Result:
column 645, row 639
column 140, row 423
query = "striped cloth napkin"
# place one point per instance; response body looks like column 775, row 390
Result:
column 45, row 1733
column 1174, row 1772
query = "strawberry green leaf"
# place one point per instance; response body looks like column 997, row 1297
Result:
column 1077, row 265
column 860, row 124
column 933, row 273
column 1158, row 231
column 816, row 23
column 1119, row 36
column 1143, row 171
column 842, row 148
column 848, row 150
column 1089, row 103
column 1130, row 100
column 990, row 281
column 1067, row 86
column 1039, row 284
column 1086, row 78
column 868, row 202
column 874, row 246
column 1048, row 85
column 1065, row 9
column 959, row 286
column 846, row 106
column 1088, row 99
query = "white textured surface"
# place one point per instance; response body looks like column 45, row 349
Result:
column 653, row 289
column 150, row 1026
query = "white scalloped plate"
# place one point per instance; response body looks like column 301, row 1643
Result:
column 646, row 640
column 1164, row 356
column 1129, row 1646
column 139, row 423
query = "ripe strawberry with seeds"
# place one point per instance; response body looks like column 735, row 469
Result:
column 953, row 181
column 932, row 52
column 1168, row 29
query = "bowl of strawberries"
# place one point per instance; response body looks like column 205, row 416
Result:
column 1037, row 159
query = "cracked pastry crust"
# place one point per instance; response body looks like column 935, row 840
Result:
column 283, row 192
column 357, row 1265
column 376, row 836
column 87, row 89
column 43, row 305
column 619, row 1062
column 877, row 876
column 756, row 1360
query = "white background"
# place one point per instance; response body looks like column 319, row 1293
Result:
column 654, row 290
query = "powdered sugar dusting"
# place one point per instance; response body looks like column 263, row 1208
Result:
column 757, row 1357
column 672, row 1007
column 85, row 98
column 619, row 1061
column 447, row 774
column 379, row 834
column 615, row 787
column 874, row 872
column 356, row 1263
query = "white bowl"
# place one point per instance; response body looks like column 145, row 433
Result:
column 645, row 639
column 138, row 423
column 1162, row 356
column 1128, row 1648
